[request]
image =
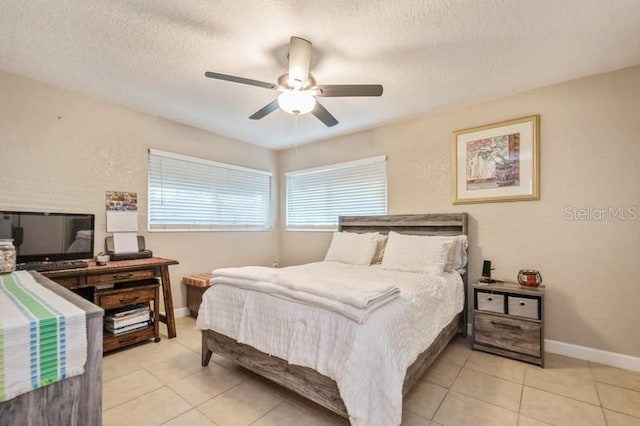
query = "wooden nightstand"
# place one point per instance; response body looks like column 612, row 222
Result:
column 508, row 320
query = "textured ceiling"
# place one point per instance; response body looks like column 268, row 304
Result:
column 151, row 55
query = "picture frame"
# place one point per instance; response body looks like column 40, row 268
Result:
column 497, row 162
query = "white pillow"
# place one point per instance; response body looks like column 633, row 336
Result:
column 457, row 256
column 352, row 248
column 416, row 253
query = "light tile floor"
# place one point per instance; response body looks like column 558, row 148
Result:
column 164, row 384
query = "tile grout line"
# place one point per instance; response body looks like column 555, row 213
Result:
column 122, row 375
column 420, row 415
column 218, row 395
column 201, row 412
column 163, row 385
column 482, row 400
column 493, row 375
column 151, row 391
column 524, row 380
column 302, row 407
column 178, row 415
column 449, row 388
column 265, row 414
column 486, row 402
column 624, row 414
column 478, row 399
column 465, row 364
column 609, row 382
column 139, row 396
column 595, row 384
column 564, row 396
column 215, row 396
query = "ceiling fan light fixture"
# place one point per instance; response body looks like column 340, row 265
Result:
column 298, row 87
column 296, row 102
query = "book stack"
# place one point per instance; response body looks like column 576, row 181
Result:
column 131, row 318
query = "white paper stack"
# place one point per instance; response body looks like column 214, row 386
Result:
column 125, row 242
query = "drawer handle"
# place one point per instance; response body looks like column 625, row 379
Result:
column 522, row 304
column 490, row 299
column 121, row 276
column 500, row 324
column 130, row 300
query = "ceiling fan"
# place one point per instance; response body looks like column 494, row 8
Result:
column 298, row 88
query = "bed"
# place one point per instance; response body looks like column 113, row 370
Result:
column 312, row 383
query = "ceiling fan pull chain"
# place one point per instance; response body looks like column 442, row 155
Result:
column 295, row 130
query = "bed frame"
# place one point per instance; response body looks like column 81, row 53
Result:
column 322, row 389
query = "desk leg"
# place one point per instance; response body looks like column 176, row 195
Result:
column 169, row 318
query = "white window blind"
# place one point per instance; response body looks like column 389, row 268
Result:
column 316, row 197
column 190, row 194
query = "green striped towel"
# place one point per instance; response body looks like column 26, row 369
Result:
column 43, row 337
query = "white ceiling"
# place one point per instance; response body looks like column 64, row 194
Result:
column 151, row 55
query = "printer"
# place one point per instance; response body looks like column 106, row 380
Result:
column 142, row 252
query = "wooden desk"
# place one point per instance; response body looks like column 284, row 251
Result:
column 122, row 271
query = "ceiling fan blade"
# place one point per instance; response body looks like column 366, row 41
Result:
column 299, row 61
column 323, row 115
column 338, row 90
column 267, row 109
column 241, row 80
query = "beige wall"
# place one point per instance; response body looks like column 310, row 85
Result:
column 60, row 151
column 590, row 154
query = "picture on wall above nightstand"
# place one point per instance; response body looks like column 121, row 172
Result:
column 497, row 162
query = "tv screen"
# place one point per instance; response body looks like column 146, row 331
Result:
column 42, row 236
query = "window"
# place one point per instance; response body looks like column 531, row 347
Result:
column 192, row 194
column 316, row 197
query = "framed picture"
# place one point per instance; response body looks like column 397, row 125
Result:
column 497, row 162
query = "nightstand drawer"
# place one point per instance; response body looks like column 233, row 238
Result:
column 490, row 302
column 527, row 307
column 512, row 334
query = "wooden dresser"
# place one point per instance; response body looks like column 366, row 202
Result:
column 508, row 320
column 76, row 401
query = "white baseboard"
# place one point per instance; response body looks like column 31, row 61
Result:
column 181, row 312
column 613, row 359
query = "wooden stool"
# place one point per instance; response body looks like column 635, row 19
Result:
column 196, row 284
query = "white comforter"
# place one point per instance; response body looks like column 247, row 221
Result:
column 347, row 294
column 336, row 346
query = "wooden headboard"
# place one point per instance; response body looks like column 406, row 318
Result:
column 415, row 224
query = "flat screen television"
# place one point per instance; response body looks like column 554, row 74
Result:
column 43, row 236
